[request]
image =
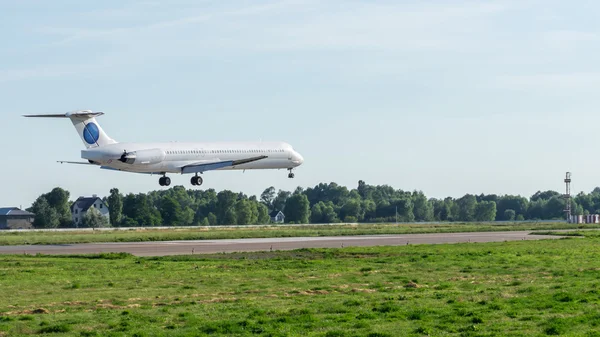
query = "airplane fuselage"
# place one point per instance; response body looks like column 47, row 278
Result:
column 170, row 157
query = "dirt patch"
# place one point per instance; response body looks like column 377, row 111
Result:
column 216, row 294
column 75, row 303
column 412, row 285
column 219, row 300
column 367, row 291
column 313, row 292
column 40, row 311
column 119, row 307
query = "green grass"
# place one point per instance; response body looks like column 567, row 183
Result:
column 522, row 288
column 149, row 234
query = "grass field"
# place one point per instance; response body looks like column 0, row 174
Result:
column 204, row 233
column 524, row 288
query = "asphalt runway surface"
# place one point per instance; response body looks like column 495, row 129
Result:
column 164, row 248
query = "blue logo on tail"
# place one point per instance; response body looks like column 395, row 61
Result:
column 91, row 133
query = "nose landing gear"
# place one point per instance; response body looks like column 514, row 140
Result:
column 291, row 174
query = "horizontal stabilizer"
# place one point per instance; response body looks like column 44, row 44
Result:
column 48, row 116
column 199, row 168
column 73, row 114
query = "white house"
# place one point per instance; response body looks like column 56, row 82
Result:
column 277, row 217
column 83, row 205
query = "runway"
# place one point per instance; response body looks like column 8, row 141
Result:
column 164, row 248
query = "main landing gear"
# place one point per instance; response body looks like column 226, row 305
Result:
column 164, row 181
column 197, row 180
column 291, row 174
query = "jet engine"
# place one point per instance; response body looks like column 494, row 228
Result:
column 143, row 157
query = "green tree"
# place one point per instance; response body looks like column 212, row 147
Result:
column 212, row 219
column 316, row 213
column 245, row 214
column 329, row 214
column 444, row 209
column 280, row 200
column 267, row 197
column 140, row 209
column 510, row 215
column 94, row 219
column 297, row 209
column 514, row 202
column 485, row 211
column 466, row 208
column 187, row 216
column 555, row 208
column 423, row 208
column 369, row 209
column 578, row 210
column 58, row 199
column 537, row 209
column 352, row 208
column 586, row 201
column 546, row 195
column 230, row 217
column 263, row 214
column 52, row 209
column 115, row 206
column 404, row 207
column 225, row 211
column 45, row 216
column 170, row 211
column 364, row 190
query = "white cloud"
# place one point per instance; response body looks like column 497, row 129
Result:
column 289, row 25
column 578, row 81
column 568, row 40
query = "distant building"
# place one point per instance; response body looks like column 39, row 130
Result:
column 277, row 217
column 82, row 205
column 15, row 218
column 583, row 219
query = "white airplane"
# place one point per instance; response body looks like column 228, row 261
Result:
column 175, row 157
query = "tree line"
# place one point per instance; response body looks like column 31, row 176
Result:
column 324, row 203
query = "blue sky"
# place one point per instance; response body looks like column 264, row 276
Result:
column 448, row 97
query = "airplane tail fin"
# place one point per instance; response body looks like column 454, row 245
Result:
column 86, row 125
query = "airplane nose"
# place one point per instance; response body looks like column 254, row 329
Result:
column 298, row 159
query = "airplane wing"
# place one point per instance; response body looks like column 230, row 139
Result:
column 75, row 162
column 203, row 167
column 114, row 169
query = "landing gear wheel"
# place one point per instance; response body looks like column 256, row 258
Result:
column 164, row 181
column 197, row 181
column 291, row 175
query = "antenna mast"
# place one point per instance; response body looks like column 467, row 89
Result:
column 568, row 196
